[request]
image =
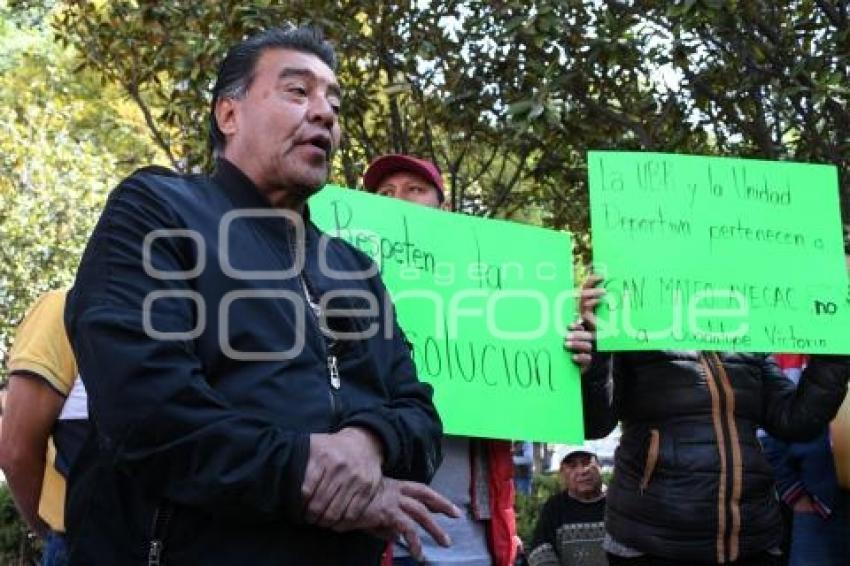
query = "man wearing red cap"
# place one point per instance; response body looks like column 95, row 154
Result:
column 476, row 475
column 407, row 178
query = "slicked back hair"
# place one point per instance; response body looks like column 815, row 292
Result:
column 236, row 72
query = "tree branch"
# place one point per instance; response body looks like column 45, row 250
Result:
column 133, row 91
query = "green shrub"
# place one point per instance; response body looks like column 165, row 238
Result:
column 528, row 507
column 18, row 547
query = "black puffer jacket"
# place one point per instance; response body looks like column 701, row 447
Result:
column 690, row 480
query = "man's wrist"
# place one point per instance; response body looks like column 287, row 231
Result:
column 368, row 438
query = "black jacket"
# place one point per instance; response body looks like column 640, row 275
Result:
column 690, row 480
column 201, row 439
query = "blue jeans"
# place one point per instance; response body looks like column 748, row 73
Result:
column 55, row 550
column 819, row 542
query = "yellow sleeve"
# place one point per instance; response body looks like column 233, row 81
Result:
column 51, row 504
column 41, row 344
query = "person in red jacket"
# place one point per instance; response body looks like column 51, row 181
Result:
column 476, row 475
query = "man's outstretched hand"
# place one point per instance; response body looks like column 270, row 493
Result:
column 397, row 509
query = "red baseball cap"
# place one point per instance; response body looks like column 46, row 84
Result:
column 393, row 163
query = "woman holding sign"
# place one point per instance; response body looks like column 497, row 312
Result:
column 691, row 485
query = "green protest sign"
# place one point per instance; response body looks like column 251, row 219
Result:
column 718, row 254
column 485, row 304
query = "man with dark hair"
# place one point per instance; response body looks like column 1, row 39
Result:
column 476, row 474
column 244, row 408
column 571, row 526
column 240, row 68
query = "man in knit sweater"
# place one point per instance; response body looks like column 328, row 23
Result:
column 571, row 526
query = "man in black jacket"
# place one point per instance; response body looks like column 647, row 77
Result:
column 691, row 485
column 252, row 398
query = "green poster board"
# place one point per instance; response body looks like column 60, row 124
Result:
column 718, row 254
column 485, row 304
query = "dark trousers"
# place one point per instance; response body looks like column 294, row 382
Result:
column 55, row 551
column 823, row 542
column 763, row 559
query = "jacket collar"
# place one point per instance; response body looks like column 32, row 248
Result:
column 241, row 190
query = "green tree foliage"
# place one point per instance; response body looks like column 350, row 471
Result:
column 65, row 140
column 508, row 96
column 505, row 96
column 756, row 78
column 528, row 506
column 769, row 78
column 419, row 78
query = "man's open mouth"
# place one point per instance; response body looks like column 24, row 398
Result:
column 321, row 142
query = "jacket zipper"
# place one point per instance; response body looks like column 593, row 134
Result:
column 327, row 348
column 333, row 372
column 161, row 518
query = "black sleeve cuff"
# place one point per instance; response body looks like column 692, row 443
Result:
column 294, row 503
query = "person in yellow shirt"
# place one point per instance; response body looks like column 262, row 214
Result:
column 45, row 401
